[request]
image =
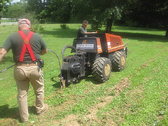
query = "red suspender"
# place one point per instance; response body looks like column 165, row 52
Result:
column 27, row 46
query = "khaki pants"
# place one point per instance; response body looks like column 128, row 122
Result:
column 23, row 75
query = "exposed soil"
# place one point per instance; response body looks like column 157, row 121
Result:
column 75, row 120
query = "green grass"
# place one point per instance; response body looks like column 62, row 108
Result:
column 8, row 21
column 135, row 96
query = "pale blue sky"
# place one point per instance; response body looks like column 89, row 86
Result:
column 15, row 1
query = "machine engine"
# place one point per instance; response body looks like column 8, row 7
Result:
column 73, row 67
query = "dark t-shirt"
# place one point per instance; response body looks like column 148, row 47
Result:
column 15, row 42
column 81, row 30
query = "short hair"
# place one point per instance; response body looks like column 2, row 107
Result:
column 24, row 23
column 85, row 21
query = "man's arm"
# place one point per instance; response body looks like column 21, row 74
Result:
column 44, row 51
column 89, row 32
column 2, row 53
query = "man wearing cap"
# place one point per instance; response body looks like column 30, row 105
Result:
column 26, row 48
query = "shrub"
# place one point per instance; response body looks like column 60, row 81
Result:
column 35, row 25
column 64, row 26
column 37, row 28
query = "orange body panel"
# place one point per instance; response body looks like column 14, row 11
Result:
column 114, row 42
column 99, row 48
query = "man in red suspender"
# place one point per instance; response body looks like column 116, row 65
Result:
column 26, row 48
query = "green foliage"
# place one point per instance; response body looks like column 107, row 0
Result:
column 98, row 12
column 51, row 11
column 64, row 26
column 149, row 13
column 16, row 10
column 37, row 28
column 3, row 2
column 30, row 16
column 96, row 26
column 2, row 6
column 59, row 11
column 36, row 6
column 140, row 13
column 63, row 11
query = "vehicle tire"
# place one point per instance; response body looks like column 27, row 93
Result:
column 101, row 69
column 118, row 61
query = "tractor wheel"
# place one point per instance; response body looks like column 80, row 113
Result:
column 118, row 61
column 101, row 69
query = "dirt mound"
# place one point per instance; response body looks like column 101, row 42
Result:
column 124, row 83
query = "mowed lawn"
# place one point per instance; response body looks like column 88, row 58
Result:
column 135, row 96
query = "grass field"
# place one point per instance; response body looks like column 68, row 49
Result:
column 8, row 21
column 136, row 96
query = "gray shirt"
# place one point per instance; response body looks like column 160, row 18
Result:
column 81, row 30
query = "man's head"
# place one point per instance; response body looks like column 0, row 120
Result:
column 85, row 23
column 24, row 24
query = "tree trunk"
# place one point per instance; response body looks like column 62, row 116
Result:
column 0, row 16
column 109, row 25
column 166, row 31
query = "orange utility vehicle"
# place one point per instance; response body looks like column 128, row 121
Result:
column 96, row 54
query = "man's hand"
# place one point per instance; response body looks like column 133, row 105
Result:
column 44, row 51
column 2, row 53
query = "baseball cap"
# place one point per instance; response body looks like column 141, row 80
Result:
column 24, row 21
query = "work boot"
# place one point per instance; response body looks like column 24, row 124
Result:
column 24, row 121
column 44, row 110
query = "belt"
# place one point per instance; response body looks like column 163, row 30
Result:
column 26, row 64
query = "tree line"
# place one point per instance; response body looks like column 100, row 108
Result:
column 136, row 13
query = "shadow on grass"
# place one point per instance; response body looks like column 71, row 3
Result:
column 61, row 33
column 136, row 28
column 91, row 79
column 72, row 33
column 142, row 36
column 87, row 78
column 6, row 112
column 57, row 83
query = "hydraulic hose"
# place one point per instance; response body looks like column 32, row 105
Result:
column 65, row 47
column 58, row 60
column 7, row 68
